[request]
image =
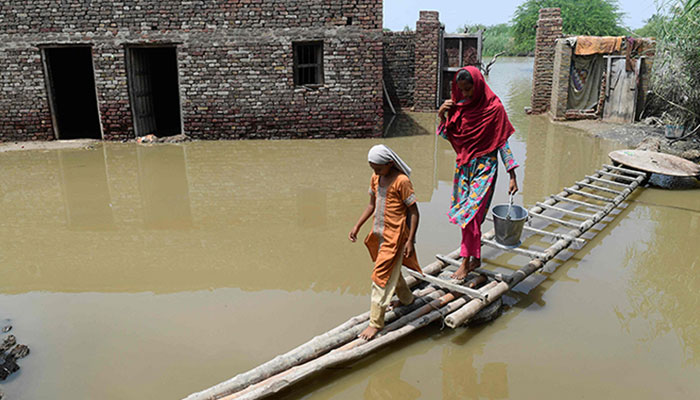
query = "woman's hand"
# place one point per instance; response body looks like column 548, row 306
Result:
column 353, row 234
column 445, row 107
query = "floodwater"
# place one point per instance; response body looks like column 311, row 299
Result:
column 138, row 272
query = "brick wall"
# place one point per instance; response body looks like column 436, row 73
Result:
column 399, row 67
column 235, row 64
column 561, row 71
column 549, row 28
column 426, row 64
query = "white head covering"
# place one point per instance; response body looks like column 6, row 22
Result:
column 381, row 155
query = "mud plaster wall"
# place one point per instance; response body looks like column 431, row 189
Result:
column 560, row 79
column 235, row 64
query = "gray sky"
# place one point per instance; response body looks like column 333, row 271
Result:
column 455, row 13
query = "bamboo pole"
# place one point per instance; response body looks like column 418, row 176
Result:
column 457, row 263
column 445, row 284
column 469, row 310
column 318, row 345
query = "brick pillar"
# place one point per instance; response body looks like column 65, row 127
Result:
column 426, row 64
column 548, row 31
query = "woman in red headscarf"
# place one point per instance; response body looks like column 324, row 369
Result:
column 476, row 124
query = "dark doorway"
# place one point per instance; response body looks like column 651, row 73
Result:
column 153, row 89
column 72, row 97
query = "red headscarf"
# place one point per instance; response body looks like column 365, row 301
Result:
column 480, row 124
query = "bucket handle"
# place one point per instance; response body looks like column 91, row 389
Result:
column 510, row 205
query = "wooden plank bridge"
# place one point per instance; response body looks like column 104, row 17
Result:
column 442, row 299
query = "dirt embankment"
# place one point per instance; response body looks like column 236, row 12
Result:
column 642, row 136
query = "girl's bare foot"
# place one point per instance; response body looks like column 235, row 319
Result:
column 393, row 304
column 369, row 333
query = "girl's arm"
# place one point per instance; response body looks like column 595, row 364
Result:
column 413, row 216
column 369, row 210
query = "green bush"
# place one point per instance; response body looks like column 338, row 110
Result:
column 676, row 75
column 590, row 17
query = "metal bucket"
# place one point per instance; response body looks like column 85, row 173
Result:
column 508, row 231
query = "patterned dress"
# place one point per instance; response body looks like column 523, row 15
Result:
column 470, row 189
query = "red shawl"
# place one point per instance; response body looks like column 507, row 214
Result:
column 479, row 125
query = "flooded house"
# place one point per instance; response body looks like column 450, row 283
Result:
column 589, row 77
column 209, row 69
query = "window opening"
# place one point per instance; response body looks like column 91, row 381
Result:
column 308, row 63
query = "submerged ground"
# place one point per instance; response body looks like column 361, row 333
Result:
column 153, row 272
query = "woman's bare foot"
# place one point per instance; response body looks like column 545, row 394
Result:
column 369, row 333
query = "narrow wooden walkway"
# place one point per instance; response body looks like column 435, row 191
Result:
column 599, row 194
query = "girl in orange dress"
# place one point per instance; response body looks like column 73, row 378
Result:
column 391, row 241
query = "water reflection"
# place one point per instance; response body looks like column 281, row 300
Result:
column 312, row 206
column 558, row 156
column 664, row 290
column 387, row 384
column 85, row 191
column 165, row 199
column 461, row 378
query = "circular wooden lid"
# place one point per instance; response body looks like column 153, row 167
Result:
column 658, row 163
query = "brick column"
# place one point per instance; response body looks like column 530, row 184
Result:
column 426, row 65
column 548, row 31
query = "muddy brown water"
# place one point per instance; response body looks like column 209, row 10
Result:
column 139, row 272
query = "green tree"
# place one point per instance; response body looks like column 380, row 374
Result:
column 590, row 17
column 496, row 38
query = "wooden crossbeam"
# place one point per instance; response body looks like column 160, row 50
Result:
column 577, row 202
column 445, row 284
column 565, row 211
column 625, row 170
column 591, row 195
column 614, row 175
column 600, row 188
column 547, row 233
column 517, row 250
column 457, row 263
column 606, row 181
column 557, row 220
